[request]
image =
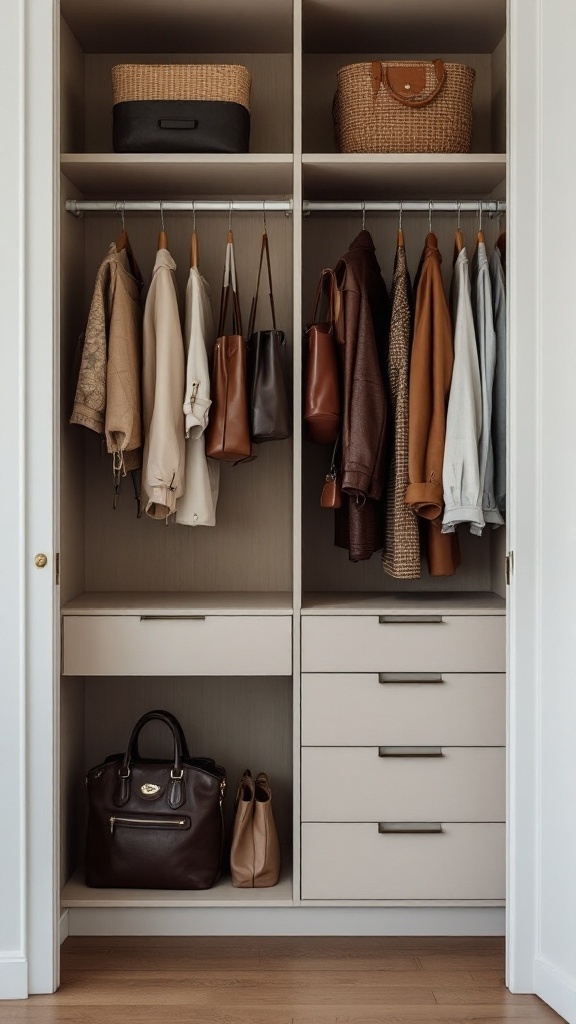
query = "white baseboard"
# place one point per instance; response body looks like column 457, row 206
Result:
column 63, row 926
column 13, row 977
column 556, row 988
column 286, row 921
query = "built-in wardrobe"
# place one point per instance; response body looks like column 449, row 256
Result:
column 377, row 707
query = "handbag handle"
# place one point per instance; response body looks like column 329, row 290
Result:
column 230, row 284
column 327, row 275
column 180, row 745
column 264, row 250
column 381, row 76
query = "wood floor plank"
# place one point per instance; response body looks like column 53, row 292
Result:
column 465, row 962
column 174, row 959
column 464, row 995
column 238, row 979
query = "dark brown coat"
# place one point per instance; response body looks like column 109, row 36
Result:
column 362, row 332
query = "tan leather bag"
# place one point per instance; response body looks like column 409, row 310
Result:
column 255, row 854
column 322, row 398
column 228, row 431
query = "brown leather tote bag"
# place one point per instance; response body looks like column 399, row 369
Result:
column 269, row 412
column 228, row 431
column 322, row 395
column 155, row 824
column 255, row 854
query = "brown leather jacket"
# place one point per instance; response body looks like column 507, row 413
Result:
column 430, row 377
column 362, row 333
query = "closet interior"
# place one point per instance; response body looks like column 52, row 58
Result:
column 259, row 634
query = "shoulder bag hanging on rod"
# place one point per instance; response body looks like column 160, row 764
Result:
column 228, row 431
column 269, row 413
column 322, row 396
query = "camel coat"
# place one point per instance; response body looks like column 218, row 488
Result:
column 107, row 396
column 430, row 376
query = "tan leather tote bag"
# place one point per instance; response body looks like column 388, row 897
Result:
column 255, row 854
column 228, row 431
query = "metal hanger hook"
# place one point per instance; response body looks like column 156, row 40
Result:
column 479, row 215
column 459, row 208
column 121, row 211
column 363, row 216
column 400, row 216
column 430, row 216
column 264, row 216
column 230, row 217
column 193, row 215
column 162, row 215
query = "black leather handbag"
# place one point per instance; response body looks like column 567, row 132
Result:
column 180, row 126
column 269, row 411
column 155, row 824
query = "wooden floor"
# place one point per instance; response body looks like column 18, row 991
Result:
column 280, row 981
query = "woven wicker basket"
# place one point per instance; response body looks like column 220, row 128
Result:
column 227, row 82
column 404, row 107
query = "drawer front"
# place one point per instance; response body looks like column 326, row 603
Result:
column 217, row 645
column 359, row 710
column 357, row 862
column 363, row 643
column 403, row 784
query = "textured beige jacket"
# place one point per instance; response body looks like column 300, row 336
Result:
column 163, row 388
column 108, row 389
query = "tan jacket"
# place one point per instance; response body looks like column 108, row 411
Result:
column 108, row 389
column 163, row 388
column 430, row 377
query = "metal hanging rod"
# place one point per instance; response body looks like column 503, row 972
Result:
column 79, row 206
column 489, row 206
column 492, row 207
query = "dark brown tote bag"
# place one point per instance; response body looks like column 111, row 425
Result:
column 155, row 824
column 228, row 431
column 322, row 395
column 269, row 412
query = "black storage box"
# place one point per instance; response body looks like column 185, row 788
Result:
column 181, row 126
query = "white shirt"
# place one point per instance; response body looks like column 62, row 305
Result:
column 197, row 507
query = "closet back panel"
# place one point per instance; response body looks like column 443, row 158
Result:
column 251, row 546
column 271, row 101
column 325, row 238
column 319, row 86
column 241, row 723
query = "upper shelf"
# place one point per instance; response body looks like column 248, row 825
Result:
column 180, row 603
column 403, row 175
column 180, row 175
column 403, row 26
column 130, row 26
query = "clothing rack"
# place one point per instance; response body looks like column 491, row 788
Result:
column 491, row 207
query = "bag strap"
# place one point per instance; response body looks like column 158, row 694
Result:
column 230, row 284
column 264, row 250
column 325, row 289
column 180, row 747
column 380, row 77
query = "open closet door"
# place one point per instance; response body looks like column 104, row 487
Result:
column 29, row 623
column 542, row 822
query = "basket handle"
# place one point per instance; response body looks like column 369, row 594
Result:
column 381, row 76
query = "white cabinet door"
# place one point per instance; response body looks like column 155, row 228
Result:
column 542, row 488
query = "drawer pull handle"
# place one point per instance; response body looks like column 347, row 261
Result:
column 410, row 752
column 410, row 677
column 409, row 827
column 409, row 620
column 172, row 618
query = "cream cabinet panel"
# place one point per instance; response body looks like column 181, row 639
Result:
column 358, row 862
column 396, row 643
column 403, row 783
column 359, row 710
column 212, row 645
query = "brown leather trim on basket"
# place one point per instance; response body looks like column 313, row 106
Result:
column 406, row 83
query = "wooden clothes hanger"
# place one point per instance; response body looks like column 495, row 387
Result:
column 162, row 237
column 194, row 242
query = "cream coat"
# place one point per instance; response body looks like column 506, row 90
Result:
column 163, row 387
column 197, row 507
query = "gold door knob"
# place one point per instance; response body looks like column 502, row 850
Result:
column 40, row 561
